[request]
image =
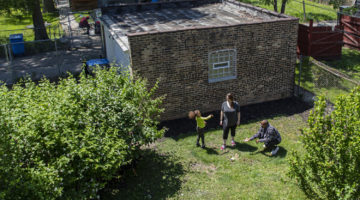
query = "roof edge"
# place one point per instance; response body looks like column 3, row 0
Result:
column 151, row 5
column 118, row 38
column 209, row 27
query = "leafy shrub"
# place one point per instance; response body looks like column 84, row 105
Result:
column 66, row 140
column 330, row 168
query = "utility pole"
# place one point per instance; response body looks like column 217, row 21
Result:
column 304, row 10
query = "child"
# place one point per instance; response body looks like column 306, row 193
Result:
column 200, row 125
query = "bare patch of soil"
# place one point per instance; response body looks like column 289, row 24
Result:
column 200, row 167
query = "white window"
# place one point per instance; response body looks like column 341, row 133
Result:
column 222, row 65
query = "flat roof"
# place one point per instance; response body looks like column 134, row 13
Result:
column 126, row 20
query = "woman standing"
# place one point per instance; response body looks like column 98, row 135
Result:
column 229, row 118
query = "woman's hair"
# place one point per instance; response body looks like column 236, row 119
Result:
column 231, row 98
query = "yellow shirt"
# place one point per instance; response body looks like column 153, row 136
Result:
column 200, row 121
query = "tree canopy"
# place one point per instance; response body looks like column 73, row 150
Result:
column 67, row 140
column 330, row 168
column 28, row 7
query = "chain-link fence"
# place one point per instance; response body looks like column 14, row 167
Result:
column 66, row 50
column 53, row 32
column 315, row 78
column 49, row 58
column 30, row 48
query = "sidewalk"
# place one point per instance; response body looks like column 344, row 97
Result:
column 66, row 17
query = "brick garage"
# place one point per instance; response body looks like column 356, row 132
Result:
column 252, row 54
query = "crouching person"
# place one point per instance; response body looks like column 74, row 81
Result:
column 268, row 135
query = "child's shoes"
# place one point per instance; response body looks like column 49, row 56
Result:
column 233, row 143
column 222, row 147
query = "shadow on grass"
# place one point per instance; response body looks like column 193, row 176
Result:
column 157, row 177
column 306, row 72
column 211, row 151
column 281, row 153
column 184, row 127
column 267, row 152
column 244, row 147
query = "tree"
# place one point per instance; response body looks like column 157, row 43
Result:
column 330, row 166
column 49, row 6
column 283, row 5
column 67, row 140
column 275, row 3
column 31, row 7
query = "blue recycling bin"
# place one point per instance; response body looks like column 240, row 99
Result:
column 17, row 44
column 94, row 62
column 102, row 62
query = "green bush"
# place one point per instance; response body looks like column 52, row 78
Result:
column 66, row 140
column 330, row 168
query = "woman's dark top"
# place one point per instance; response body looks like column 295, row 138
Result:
column 230, row 114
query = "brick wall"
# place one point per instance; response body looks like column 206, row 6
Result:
column 266, row 56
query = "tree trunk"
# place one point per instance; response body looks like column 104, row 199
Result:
column 283, row 4
column 275, row 5
column 39, row 26
column 49, row 6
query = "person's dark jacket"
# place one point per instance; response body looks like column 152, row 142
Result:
column 267, row 134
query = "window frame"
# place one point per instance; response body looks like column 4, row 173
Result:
column 219, row 57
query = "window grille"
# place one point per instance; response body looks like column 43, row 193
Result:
column 222, row 65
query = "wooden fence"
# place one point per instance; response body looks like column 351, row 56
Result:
column 321, row 42
column 351, row 26
column 81, row 5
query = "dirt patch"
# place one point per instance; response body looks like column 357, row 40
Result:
column 255, row 112
column 305, row 115
column 248, row 161
column 200, row 167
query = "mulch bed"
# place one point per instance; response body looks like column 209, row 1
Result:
column 255, row 112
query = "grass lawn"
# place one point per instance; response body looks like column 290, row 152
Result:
column 175, row 168
column 348, row 64
column 321, row 82
column 294, row 8
column 9, row 24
